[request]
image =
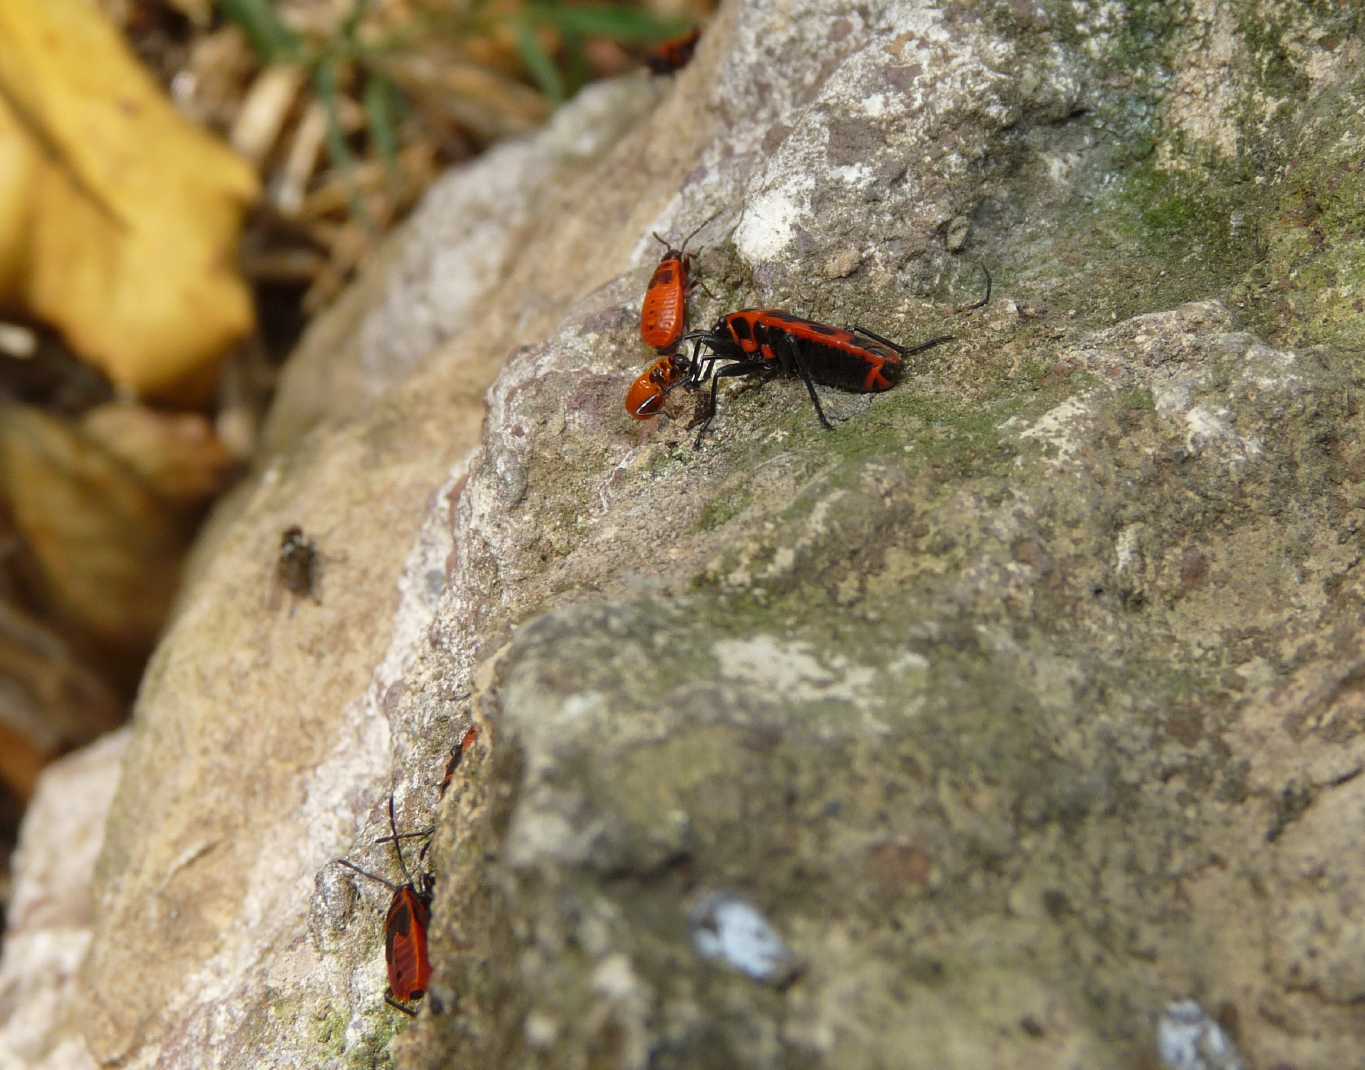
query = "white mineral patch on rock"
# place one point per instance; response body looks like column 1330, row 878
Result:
column 1188, row 1039
column 734, row 932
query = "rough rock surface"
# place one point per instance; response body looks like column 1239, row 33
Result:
column 982, row 731
column 52, row 910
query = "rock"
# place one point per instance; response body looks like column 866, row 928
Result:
column 52, row 911
column 986, row 703
column 955, row 238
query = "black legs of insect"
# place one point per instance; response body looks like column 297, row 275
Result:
column 739, row 368
column 792, row 359
column 788, row 359
column 424, row 834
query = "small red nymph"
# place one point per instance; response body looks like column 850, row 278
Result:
column 405, row 928
column 646, row 395
column 663, row 316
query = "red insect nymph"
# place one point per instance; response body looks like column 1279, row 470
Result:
column 457, row 753
column 405, row 928
column 663, row 316
column 646, row 395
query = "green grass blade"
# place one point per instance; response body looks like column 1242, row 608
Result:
column 338, row 149
column 383, row 105
column 539, row 63
column 351, row 25
column 273, row 41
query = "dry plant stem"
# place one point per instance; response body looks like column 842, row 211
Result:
column 264, row 111
column 304, row 152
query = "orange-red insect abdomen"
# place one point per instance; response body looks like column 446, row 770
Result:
column 663, row 317
column 646, row 395
column 405, row 944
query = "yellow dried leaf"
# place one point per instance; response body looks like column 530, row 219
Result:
column 19, row 166
column 130, row 233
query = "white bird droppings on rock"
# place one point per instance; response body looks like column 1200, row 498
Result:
column 1188, row 1039
column 732, row 931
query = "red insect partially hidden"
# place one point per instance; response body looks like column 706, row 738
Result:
column 646, row 395
column 673, row 54
column 457, row 753
column 663, row 316
column 405, row 927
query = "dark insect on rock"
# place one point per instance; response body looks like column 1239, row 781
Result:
column 296, row 567
column 766, row 342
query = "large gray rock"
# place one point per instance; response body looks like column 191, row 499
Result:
column 1014, row 723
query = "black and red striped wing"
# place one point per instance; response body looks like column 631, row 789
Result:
column 405, row 944
column 834, row 356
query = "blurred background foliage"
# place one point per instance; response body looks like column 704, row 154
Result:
column 339, row 114
column 349, row 108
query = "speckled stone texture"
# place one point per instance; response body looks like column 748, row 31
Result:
column 1016, row 722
